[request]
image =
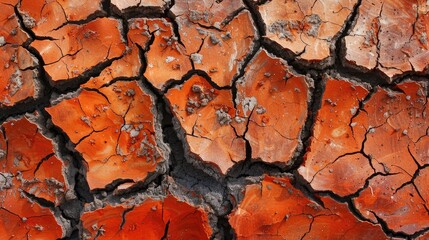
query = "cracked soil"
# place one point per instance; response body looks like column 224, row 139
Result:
column 214, row 119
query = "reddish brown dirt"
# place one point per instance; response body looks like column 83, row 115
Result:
column 214, row 119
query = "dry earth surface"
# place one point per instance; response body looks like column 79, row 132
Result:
column 214, row 119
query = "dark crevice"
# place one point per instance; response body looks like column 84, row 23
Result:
column 26, row 106
column 387, row 230
column 301, row 184
column 256, row 16
column 352, row 208
column 199, row 49
column 242, row 70
column 81, row 187
column 248, row 146
column 309, row 228
column 124, row 217
column 180, row 167
column 71, row 209
column 114, row 80
column 106, row 5
column 42, row 202
column 173, row 83
column 90, row 18
column 412, row 181
column 261, row 2
column 361, row 108
column 175, row 27
column 30, row 104
column 225, row 229
column 374, row 76
column 7, row 210
column 124, row 31
column 22, row 25
column 41, row 161
column 139, row 12
column 73, row 236
column 352, row 18
column 111, row 186
column 165, row 236
column 252, row 168
column 280, row 52
column 152, row 179
column 314, row 104
column 330, row 163
column 73, row 84
column 228, row 18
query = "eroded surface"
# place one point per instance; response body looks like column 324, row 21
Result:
column 18, row 80
column 168, row 218
column 274, row 100
column 166, row 58
column 390, row 36
column 222, row 50
column 29, row 170
column 373, row 154
column 87, row 45
column 306, row 28
column 333, row 133
column 274, row 209
column 114, row 130
column 123, row 118
column 216, row 130
column 44, row 16
column 206, row 115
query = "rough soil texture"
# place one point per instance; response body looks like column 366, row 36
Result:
column 214, row 119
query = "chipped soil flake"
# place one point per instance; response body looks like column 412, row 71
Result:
column 10, row 29
column 274, row 209
column 87, row 45
column 165, row 47
column 276, row 111
column 333, row 137
column 224, row 54
column 214, row 129
column 17, row 85
column 21, row 218
column 344, row 157
column 150, row 219
column 221, row 47
column 306, row 27
column 29, row 157
column 129, row 65
column 118, row 139
column 390, row 36
column 44, row 16
column 29, row 166
column 207, row 12
column 17, row 82
column 205, row 116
